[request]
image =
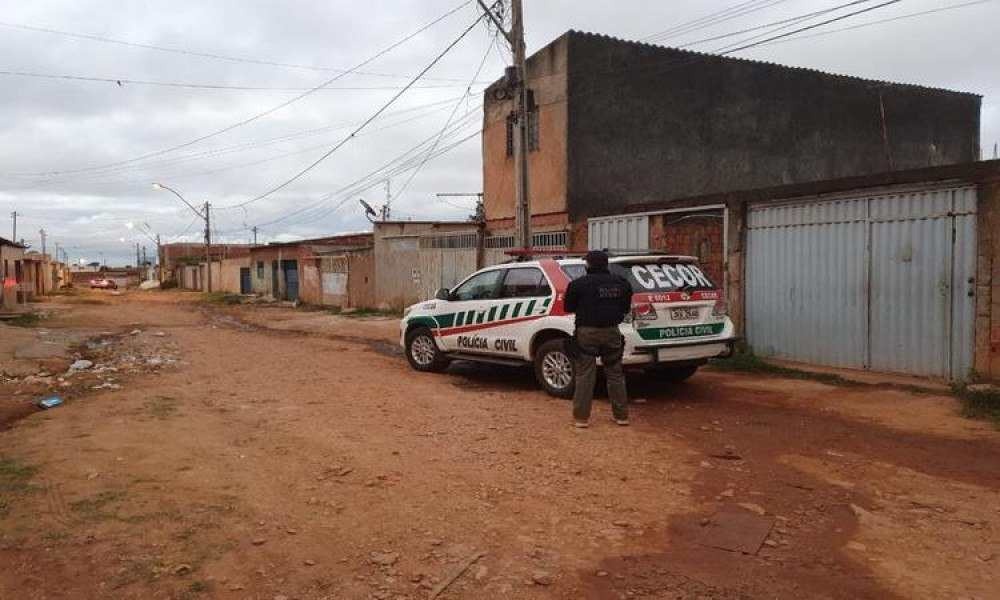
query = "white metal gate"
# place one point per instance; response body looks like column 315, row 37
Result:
column 623, row 232
column 883, row 282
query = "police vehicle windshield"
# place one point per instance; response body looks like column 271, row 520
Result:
column 654, row 276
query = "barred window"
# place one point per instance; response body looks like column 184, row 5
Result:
column 543, row 239
column 462, row 240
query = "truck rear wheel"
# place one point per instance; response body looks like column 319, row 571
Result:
column 422, row 351
column 554, row 369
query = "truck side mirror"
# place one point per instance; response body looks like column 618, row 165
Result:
column 442, row 294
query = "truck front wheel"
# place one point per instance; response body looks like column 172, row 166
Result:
column 422, row 351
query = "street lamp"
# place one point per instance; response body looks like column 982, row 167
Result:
column 205, row 214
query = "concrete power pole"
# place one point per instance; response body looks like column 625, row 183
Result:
column 13, row 237
column 523, row 214
column 254, row 229
column 208, row 246
column 41, row 234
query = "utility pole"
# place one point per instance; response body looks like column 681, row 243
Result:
column 204, row 214
column 386, row 208
column 518, row 80
column 13, row 237
column 208, row 246
column 254, row 229
column 41, row 233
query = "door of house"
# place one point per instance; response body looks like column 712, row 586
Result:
column 245, row 285
column 290, row 270
column 883, row 282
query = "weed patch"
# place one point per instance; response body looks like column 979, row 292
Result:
column 25, row 320
column 162, row 407
column 362, row 313
column 15, row 478
column 221, row 298
column 747, row 362
column 93, row 509
column 979, row 403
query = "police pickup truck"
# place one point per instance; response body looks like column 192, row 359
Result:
column 513, row 314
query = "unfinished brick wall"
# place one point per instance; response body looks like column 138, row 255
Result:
column 695, row 235
column 987, row 353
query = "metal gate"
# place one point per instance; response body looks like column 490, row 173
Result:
column 290, row 271
column 624, row 232
column 883, row 282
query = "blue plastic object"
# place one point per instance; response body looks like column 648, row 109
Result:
column 50, row 402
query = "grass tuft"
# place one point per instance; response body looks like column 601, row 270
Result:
column 362, row 313
column 25, row 320
column 221, row 298
column 15, row 478
column 979, row 403
column 162, row 407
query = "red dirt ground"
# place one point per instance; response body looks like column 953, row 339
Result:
column 294, row 454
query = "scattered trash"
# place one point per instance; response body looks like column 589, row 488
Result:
column 151, row 284
column 135, row 332
column 81, row 365
column 50, row 402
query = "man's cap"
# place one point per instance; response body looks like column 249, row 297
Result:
column 597, row 258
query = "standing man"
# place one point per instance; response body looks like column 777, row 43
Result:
column 600, row 301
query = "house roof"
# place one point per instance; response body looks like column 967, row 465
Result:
column 330, row 239
column 6, row 242
column 723, row 57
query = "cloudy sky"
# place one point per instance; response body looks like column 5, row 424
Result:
column 91, row 115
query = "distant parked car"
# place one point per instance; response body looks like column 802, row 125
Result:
column 103, row 284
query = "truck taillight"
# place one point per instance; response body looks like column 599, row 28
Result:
column 721, row 308
column 643, row 311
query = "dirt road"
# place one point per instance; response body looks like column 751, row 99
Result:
column 242, row 458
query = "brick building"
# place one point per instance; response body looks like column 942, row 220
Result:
column 896, row 271
column 616, row 123
column 329, row 271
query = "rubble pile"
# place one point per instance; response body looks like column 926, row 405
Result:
column 103, row 362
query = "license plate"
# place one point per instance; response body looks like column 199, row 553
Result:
column 684, row 314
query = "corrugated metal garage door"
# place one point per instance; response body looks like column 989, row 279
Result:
column 880, row 282
column 618, row 233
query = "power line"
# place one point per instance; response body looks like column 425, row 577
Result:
column 378, row 174
column 374, row 116
column 388, row 169
column 808, row 27
column 251, row 145
column 180, row 161
column 447, row 122
column 668, row 65
column 738, row 10
column 210, row 55
column 774, row 23
column 122, row 81
column 881, row 21
column 271, row 110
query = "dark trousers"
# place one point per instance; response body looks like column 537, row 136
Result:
column 607, row 343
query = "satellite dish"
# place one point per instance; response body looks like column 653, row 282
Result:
column 369, row 211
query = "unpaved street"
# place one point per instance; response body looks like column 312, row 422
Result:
column 266, row 453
